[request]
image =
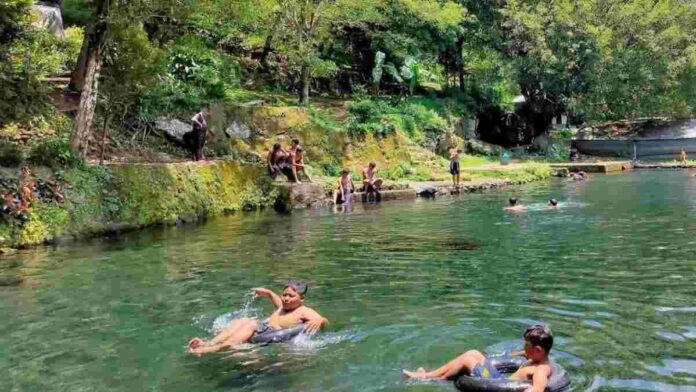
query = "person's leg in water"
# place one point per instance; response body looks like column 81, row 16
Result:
column 239, row 332
column 466, row 361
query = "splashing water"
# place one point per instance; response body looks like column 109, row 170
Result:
column 217, row 324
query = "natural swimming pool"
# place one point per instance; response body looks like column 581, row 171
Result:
column 403, row 283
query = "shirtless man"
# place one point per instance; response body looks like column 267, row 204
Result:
column 371, row 183
column 344, row 192
column 277, row 162
column 454, row 165
column 290, row 312
column 297, row 153
column 513, row 205
column 538, row 341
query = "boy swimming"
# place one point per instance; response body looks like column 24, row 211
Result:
column 553, row 203
column 290, row 312
column 538, row 341
column 513, row 206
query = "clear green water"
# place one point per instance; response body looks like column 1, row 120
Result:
column 404, row 284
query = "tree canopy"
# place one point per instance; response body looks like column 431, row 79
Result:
column 594, row 59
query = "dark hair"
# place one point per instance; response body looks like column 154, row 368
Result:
column 345, row 170
column 539, row 335
column 295, row 141
column 512, row 201
column 297, row 285
column 553, row 202
column 299, row 149
column 372, row 164
column 276, row 147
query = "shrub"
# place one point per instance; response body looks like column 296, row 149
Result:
column 54, row 152
column 10, row 154
column 189, row 75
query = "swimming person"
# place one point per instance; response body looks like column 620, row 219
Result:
column 290, row 312
column 454, row 165
column 513, row 205
column 371, row 183
column 553, row 203
column 538, row 341
column 344, row 192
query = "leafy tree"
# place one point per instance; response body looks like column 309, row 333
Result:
column 106, row 15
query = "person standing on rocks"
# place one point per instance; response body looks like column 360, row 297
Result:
column 196, row 141
column 454, row 166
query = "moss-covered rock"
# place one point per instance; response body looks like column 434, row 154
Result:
column 100, row 199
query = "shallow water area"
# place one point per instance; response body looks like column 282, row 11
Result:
column 405, row 284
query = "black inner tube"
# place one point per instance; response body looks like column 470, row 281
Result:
column 558, row 382
column 277, row 336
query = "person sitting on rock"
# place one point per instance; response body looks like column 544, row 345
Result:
column 344, row 192
column 297, row 158
column 277, row 163
column 289, row 312
column 371, row 183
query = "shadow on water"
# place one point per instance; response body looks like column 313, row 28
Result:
column 423, row 243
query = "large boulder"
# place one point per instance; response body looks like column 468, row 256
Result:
column 50, row 17
column 239, row 130
column 173, row 130
column 475, row 146
column 427, row 191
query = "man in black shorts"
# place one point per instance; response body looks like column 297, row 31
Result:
column 454, row 166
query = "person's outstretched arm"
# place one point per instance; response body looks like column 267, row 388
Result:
column 261, row 292
column 313, row 320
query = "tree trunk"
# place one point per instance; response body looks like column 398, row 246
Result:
column 266, row 51
column 304, row 85
column 460, row 60
column 268, row 45
column 77, row 78
column 79, row 141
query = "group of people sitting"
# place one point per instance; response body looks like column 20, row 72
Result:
column 291, row 312
column 371, row 185
column 289, row 162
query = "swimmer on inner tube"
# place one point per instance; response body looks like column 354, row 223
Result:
column 538, row 341
column 290, row 312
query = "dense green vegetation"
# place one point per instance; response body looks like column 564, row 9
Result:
column 595, row 60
